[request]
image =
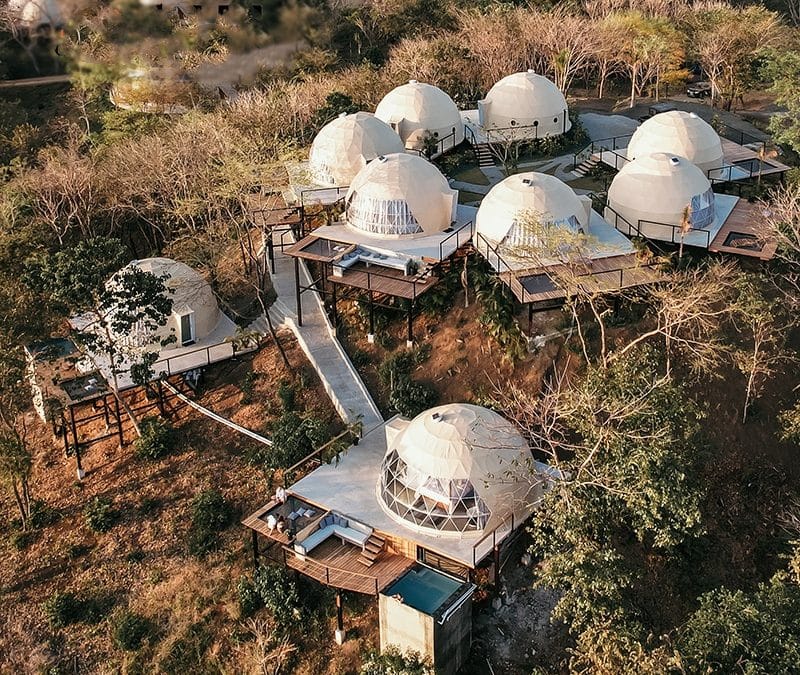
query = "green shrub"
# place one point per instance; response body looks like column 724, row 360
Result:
column 129, row 630
column 393, row 661
column 100, row 515
column 158, row 438
column 249, row 599
column 278, row 591
column 62, row 609
column 287, row 395
column 401, row 364
column 210, row 515
column 293, row 437
column 410, row 398
column 248, row 387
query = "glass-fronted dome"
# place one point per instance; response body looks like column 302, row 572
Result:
column 660, row 189
column 400, row 195
column 455, row 470
column 516, row 211
column 678, row 133
column 525, row 100
column 347, row 144
column 195, row 312
column 417, row 110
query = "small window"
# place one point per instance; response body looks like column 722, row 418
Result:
column 222, row 9
column 513, row 123
column 555, row 120
column 436, row 134
column 536, row 123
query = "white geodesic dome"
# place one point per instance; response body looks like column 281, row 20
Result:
column 455, row 470
column 657, row 189
column 525, row 102
column 400, row 195
column 678, row 133
column 347, row 144
column 34, row 14
column 518, row 210
column 417, row 110
column 194, row 305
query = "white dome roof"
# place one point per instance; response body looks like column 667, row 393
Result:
column 416, row 109
column 36, row 13
column 191, row 294
column 344, row 146
column 658, row 188
column 400, row 195
column 679, row 133
column 527, row 100
column 455, row 469
column 531, row 195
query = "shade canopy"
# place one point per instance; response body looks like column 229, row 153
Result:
column 347, row 144
column 679, row 133
column 418, row 111
column 519, row 210
column 455, row 470
column 661, row 189
column 400, row 195
column 527, row 104
column 195, row 312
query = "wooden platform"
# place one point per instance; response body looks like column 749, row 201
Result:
column 744, row 233
column 603, row 275
column 733, row 154
column 258, row 521
column 385, row 281
column 335, row 564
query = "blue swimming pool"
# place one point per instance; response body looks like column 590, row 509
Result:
column 424, row 589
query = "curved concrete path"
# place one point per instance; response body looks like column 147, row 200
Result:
column 318, row 340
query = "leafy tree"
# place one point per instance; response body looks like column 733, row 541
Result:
column 211, row 514
column 736, row 631
column 15, row 471
column 782, row 68
column 100, row 514
column 158, row 438
column 392, row 661
column 111, row 303
column 278, row 591
column 411, row 398
column 293, row 437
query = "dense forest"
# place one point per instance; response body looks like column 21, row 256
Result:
column 674, row 543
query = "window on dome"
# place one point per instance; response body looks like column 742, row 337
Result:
column 702, row 210
column 540, row 235
column 381, row 216
column 442, row 504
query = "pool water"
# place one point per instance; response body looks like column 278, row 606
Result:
column 424, row 589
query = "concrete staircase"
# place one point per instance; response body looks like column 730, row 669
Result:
column 586, row 166
column 484, row 155
column 372, row 550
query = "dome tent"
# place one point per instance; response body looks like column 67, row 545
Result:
column 456, row 470
column 679, row 133
column 35, row 14
column 344, row 146
column 195, row 312
column 417, row 110
column 525, row 100
column 502, row 212
column 400, row 195
column 658, row 189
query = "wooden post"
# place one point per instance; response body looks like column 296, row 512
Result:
column 271, row 252
column 105, row 412
column 255, row 551
column 78, row 464
column 530, row 318
column 497, row 568
column 339, row 614
column 371, row 336
column 65, row 434
column 298, row 301
column 410, row 336
column 73, row 426
column 160, row 391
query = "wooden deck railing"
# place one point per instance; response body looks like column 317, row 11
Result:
column 331, row 576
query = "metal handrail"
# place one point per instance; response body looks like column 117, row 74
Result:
column 371, row 274
column 743, row 136
column 489, row 248
column 493, row 535
column 339, row 189
column 207, row 349
column 601, row 144
column 456, row 234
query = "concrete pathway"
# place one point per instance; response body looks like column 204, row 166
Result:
column 318, row 340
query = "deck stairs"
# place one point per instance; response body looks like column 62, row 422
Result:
column 586, row 165
column 484, row 155
column 372, row 550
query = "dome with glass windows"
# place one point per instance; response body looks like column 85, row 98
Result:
column 421, row 114
column 195, row 312
column 526, row 101
column 400, row 195
column 679, row 133
column 347, row 144
column 516, row 212
column 655, row 193
column 455, row 470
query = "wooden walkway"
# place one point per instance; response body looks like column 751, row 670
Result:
column 335, row 564
column 744, row 233
column 733, row 154
column 385, row 281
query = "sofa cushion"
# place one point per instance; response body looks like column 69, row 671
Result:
column 360, row 527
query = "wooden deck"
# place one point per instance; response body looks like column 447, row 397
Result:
column 335, row 564
column 744, row 233
column 258, row 521
column 385, row 281
column 603, row 275
column 733, row 153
